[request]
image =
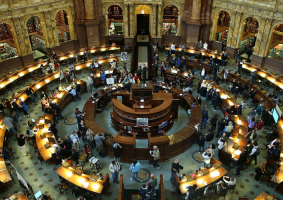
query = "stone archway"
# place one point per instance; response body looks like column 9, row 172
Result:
column 143, row 9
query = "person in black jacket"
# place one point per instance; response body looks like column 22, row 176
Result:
column 223, row 59
column 16, row 107
column 251, row 97
column 200, row 142
column 216, row 100
column 4, row 154
column 213, row 122
column 29, row 92
column 176, row 167
column 155, row 65
column 209, row 137
column 221, row 126
column 184, row 63
column 242, row 160
column 58, row 111
column 53, row 129
column 21, row 142
column 240, row 64
column 246, row 88
column 78, row 90
column 191, row 82
column 191, row 194
column 117, row 150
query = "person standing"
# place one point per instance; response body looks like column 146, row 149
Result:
column 237, row 56
column 183, row 47
column 156, row 58
column 144, row 70
column 202, row 74
column 100, row 148
column 78, row 91
column 179, row 63
column 184, row 63
column 29, row 92
column 220, row 142
column 251, row 97
column 72, row 69
column 8, row 122
column 163, row 69
column 223, row 59
column 240, row 65
column 200, row 142
column 155, row 65
column 114, row 168
column 223, row 47
column 258, row 111
column 175, row 168
column 153, row 183
column 191, row 192
column 199, row 45
column 90, row 82
column 21, row 142
column 254, row 152
column 135, row 168
column 73, row 92
column 115, row 74
column 209, row 137
column 204, row 117
column 205, row 45
column 207, row 158
column 260, row 169
column 242, row 160
column 156, row 156
column 173, row 48
column 24, row 106
column 143, row 191
column 117, row 150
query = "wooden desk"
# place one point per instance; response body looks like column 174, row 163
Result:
column 19, row 196
column 161, row 188
column 263, row 195
column 279, row 173
column 200, row 181
column 121, row 188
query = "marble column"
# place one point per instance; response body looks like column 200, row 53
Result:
column 126, row 21
column 153, row 21
column 196, row 10
column 106, row 25
column 132, row 28
column 235, row 33
column 89, row 9
column 260, row 38
column 180, row 16
column 160, row 21
column 231, row 28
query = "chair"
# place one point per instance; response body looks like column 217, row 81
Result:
column 265, row 178
column 207, row 196
column 232, row 187
column 39, row 157
column 221, row 195
column 62, row 187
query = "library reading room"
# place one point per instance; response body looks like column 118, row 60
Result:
column 141, row 99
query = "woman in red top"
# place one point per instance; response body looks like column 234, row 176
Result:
column 87, row 150
column 259, row 126
column 136, row 78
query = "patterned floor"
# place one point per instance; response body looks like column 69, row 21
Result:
column 44, row 178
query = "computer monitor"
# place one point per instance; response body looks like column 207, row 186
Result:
column 38, row 194
column 275, row 115
column 278, row 110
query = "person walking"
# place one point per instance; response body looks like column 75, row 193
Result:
column 251, row 97
column 8, row 122
column 114, row 168
column 153, row 183
column 156, row 156
column 29, row 92
column 117, row 150
column 21, row 142
column 135, row 168
column 255, row 152
column 143, row 191
column 72, row 69
column 16, row 108
column 90, row 82
column 204, row 116
column 24, row 106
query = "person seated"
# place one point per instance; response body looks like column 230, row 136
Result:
column 230, row 181
column 276, row 99
column 31, row 123
column 100, row 176
column 273, row 151
column 208, row 190
column 222, row 188
column 271, row 95
column 4, row 154
column 199, row 56
column 252, row 135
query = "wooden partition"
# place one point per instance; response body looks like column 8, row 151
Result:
column 121, row 188
column 161, row 188
column 162, row 144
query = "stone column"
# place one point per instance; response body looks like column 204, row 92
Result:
column 231, row 28
column 126, row 21
column 160, row 21
column 153, row 33
column 181, row 12
column 89, row 9
column 106, row 25
column 196, row 10
column 79, row 10
column 237, row 25
column 132, row 28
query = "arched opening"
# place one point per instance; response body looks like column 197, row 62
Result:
column 35, row 31
column 115, row 20
column 143, row 20
column 223, row 24
column 62, row 25
column 170, row 20
column 276, row 44
column 7, row 45
column 249, row 32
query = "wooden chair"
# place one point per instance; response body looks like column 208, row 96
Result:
column 232, row 187
column 221, row 195
column 62, row 187
column 39, row 157
column 265, row 178
column 207, row 196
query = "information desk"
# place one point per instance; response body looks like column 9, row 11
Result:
column 205, row 53
column 11, row 78
column 79, row 180
column 179, row 141
column 194, row 64
column 200, row 180
column 100, row 61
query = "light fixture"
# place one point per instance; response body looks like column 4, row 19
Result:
column 69, row 173
column 38, row 86
column 142, row 11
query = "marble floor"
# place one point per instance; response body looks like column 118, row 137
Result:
column 45, row 179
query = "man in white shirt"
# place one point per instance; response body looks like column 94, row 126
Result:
column 173, row 48
column 96, row 65
column 113, row 64
column 230, row 181
column 90, row 82
column 207, row 158
column 75, row 136
column 205, row 45
column 254, row 154
column 220, row 146
column 72, row 69
column 114, row 168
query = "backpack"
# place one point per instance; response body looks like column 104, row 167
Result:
column 257, row 152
